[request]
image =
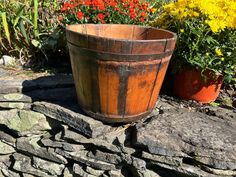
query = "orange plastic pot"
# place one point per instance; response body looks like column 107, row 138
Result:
column 190, row 85
column 118, row 69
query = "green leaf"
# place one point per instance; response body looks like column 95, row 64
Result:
column 36, row 18
column 27, row 20
column 18, row 15
column 214, row 104
column 23, row 32
column 2, row 44
column 5, row 26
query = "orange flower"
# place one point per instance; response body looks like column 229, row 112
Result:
column 143, row 14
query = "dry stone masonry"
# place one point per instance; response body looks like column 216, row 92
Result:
column 44, row 133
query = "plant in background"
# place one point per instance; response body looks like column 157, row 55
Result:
column 28, row 29
column 105, row 11
column 206, row 34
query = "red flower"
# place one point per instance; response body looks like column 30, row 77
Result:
column 70, row 5
column 123, row 1
column 63, row 9
column 145, row 6
column 117, row 9
column 88, row 3
column 131, row 10
column 60, row 18
column 101, row 17
column 142, row 19
column 132, row 15
column 101, row 7
column 80, row 15
column 131, row 4
column 95, row 3
column 125, row 6
column 113, row 4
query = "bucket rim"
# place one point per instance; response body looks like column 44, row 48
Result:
column 174, row 35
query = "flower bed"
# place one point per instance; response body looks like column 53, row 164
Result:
column 105, row 11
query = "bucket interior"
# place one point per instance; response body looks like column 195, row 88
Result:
column 122, row 32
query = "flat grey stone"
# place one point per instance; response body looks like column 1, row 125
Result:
column 30, row 145
column 164, row 105
column 138, row 167
column 24, row 122
column 15, row 105
column 6, row 138
column 15, row 97
column 145, row 173
column 184, row 170
column 207, row 139
column 6, row 172
column 83, row 124
column 47, row 166
column 138, row 163
column 23, row 164
column 226, row 114
column 64, row 145
column 93, row 171
column 20, row 85
column 77, row 169
column 15, row 86
column 5, row 161
column 5, row 148
column 27, row 175
column 58, row 80
column 105, row 157
column 68, row 172
column 219, row 172
column 81, row 157
column 176, row 161
column 70, row 135
column 54, row 95
column 115, row 173
column 4, row 72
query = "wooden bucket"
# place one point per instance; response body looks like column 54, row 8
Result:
column 118, row 69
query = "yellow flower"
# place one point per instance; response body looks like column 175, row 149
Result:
column 153, row 10
column 222, row 59
column 207, row 54
column 218, row 52
column 181, row 30
column 195, row 14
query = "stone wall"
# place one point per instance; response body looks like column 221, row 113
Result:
column 44, row 133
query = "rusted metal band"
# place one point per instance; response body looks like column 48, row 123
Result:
column 117, row 56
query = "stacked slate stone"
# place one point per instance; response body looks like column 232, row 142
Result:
column 44, row 133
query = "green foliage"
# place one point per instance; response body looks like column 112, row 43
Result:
column 28, row 29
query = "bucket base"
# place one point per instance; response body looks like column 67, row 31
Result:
column 116, row 118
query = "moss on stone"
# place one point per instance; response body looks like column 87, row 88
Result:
column 24, row 120
column 13, row 96
column 16, row 105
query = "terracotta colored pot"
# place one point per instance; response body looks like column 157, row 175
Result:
column 118, row 69
column 189, row 85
